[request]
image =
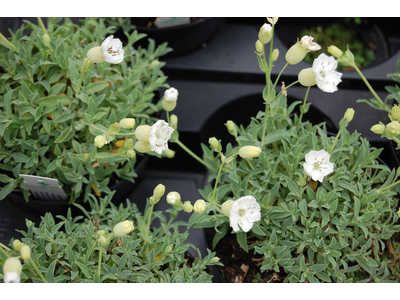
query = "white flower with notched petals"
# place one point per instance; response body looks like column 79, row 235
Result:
column 112, row 50
column 159, row 135
column 244, row 212
column 317, row 164
column 326, row 76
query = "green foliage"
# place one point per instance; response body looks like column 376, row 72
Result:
column 51, row 110
column 68, row 250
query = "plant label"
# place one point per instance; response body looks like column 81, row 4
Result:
column 44, row 188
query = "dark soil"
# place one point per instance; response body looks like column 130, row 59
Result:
column 240, row 266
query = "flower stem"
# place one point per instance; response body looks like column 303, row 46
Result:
column 37, row 270
column 216, row 180
column 194, row 155
column 4, row 250
column 384, row 107
column 303, row 107
column 149, row 219
column 336, row 139
column 265, row 124
column 100, row 258
column 42, row 24
column 279, row 75
column 7, row 43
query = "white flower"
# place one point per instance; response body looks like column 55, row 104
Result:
column 173, row 198
column 308, row 43
column 112, row 50
column 159, row 135
column 317, row 164
column 100, row 141
column 12, row 269
column 244, row 212
column 326, row 76
column 171, row 94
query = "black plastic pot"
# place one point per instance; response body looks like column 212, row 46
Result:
column 39, row 207
column 368, row 31
column 183, row 38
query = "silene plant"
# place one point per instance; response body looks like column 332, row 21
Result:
column 71, row 97
column 303, row 205
column 108, row 244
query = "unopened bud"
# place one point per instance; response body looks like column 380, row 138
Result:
column 159, row 191
column 46, row 40
column 259, row 47
column 335, row 51
column 215, row 144
column 199, row 206
column 85, row 65
column 168, row 153
column 187, row 207
column 265, row 33
column 100, row 141
column 393, row 129
column 123, row 228
column 174, row 121
column 17, row 245
column 214, row 260
column 127, row 123
column 12, row 269
column 101, row 233
column 275, row 55
column 395, row 113
column 349, row 114
column 25, row 252
column 168, row 249
column 173, row 198
column 378, row 128
column 102, row 241
column 142, row 133
column 249, row 151
column 131, row 153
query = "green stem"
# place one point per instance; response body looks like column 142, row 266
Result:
column 100, row 258
column 336, row 139
column 390, row 186
column 280, row 73
column 265, row 124
column 194, row 155
column 149, row 219
column 216, row 181
column 37, row 270
column 4, row 251
column 42, row 24
column 7, row 43
column 303, row 107
column 384, row 107
column 79, row 84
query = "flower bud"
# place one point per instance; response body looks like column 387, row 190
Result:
column 173, row 198
column 187, row 207
column 46, row 40
column 378, row 128
column 159, row 191
column 100, row 141
column 85, row 65
column 17, row 245
column 128, row 143
column 142, row 133
column 101, row 233
column 395, row 113
column 95, row 55
column 275, row 55
column 25, row 252
column 174, row 121
column 265, row 33
column 226, row 207
column 215, row 144
column 393, row 129
column 127, row 123
column 249, row 151
column 168, row 249
column 154, row 64
column 142, row 147
column 102, row 241
column 259, row 47
column 12, row 269
column 214, row 260
column 131, row 153
column 306, row 77
column 349, row 114
column 168, row 153
column 273, row 20
column 335, row 51
column 123, row 228
column 199, row 206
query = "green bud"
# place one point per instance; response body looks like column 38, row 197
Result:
column 249, row 151
column 100, row 141
column 199, row 206
column 259, row 47
column 226, row 207
column 393, row 129
column 378, row 128
column 187, row 206
column 128, row 143
column 102, row 241
column 214, row 260
column 168, row 249
column 142, row 133
column 174, row 121
column 395, row 113
column 335, row 51
column 25, row 252
column 85, row 65
column 127, row 123
column 275, row 55
column 159, row 191
column 306, row 77
column 46, row 40
column 17, row 245
column 215, row 144
column 168, row 105
column 131, row 153
column 349, row 114
column 265, row 33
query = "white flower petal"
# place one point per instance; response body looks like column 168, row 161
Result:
column 159, row 135
column 112, row 50
column 244, row 212
column 326, row 76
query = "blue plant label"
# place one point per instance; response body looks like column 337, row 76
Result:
column 170, row 22
column 44, row 188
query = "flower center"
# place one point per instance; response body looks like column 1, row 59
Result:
column 242, row 212
column 112, row 52
column 318, row 165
